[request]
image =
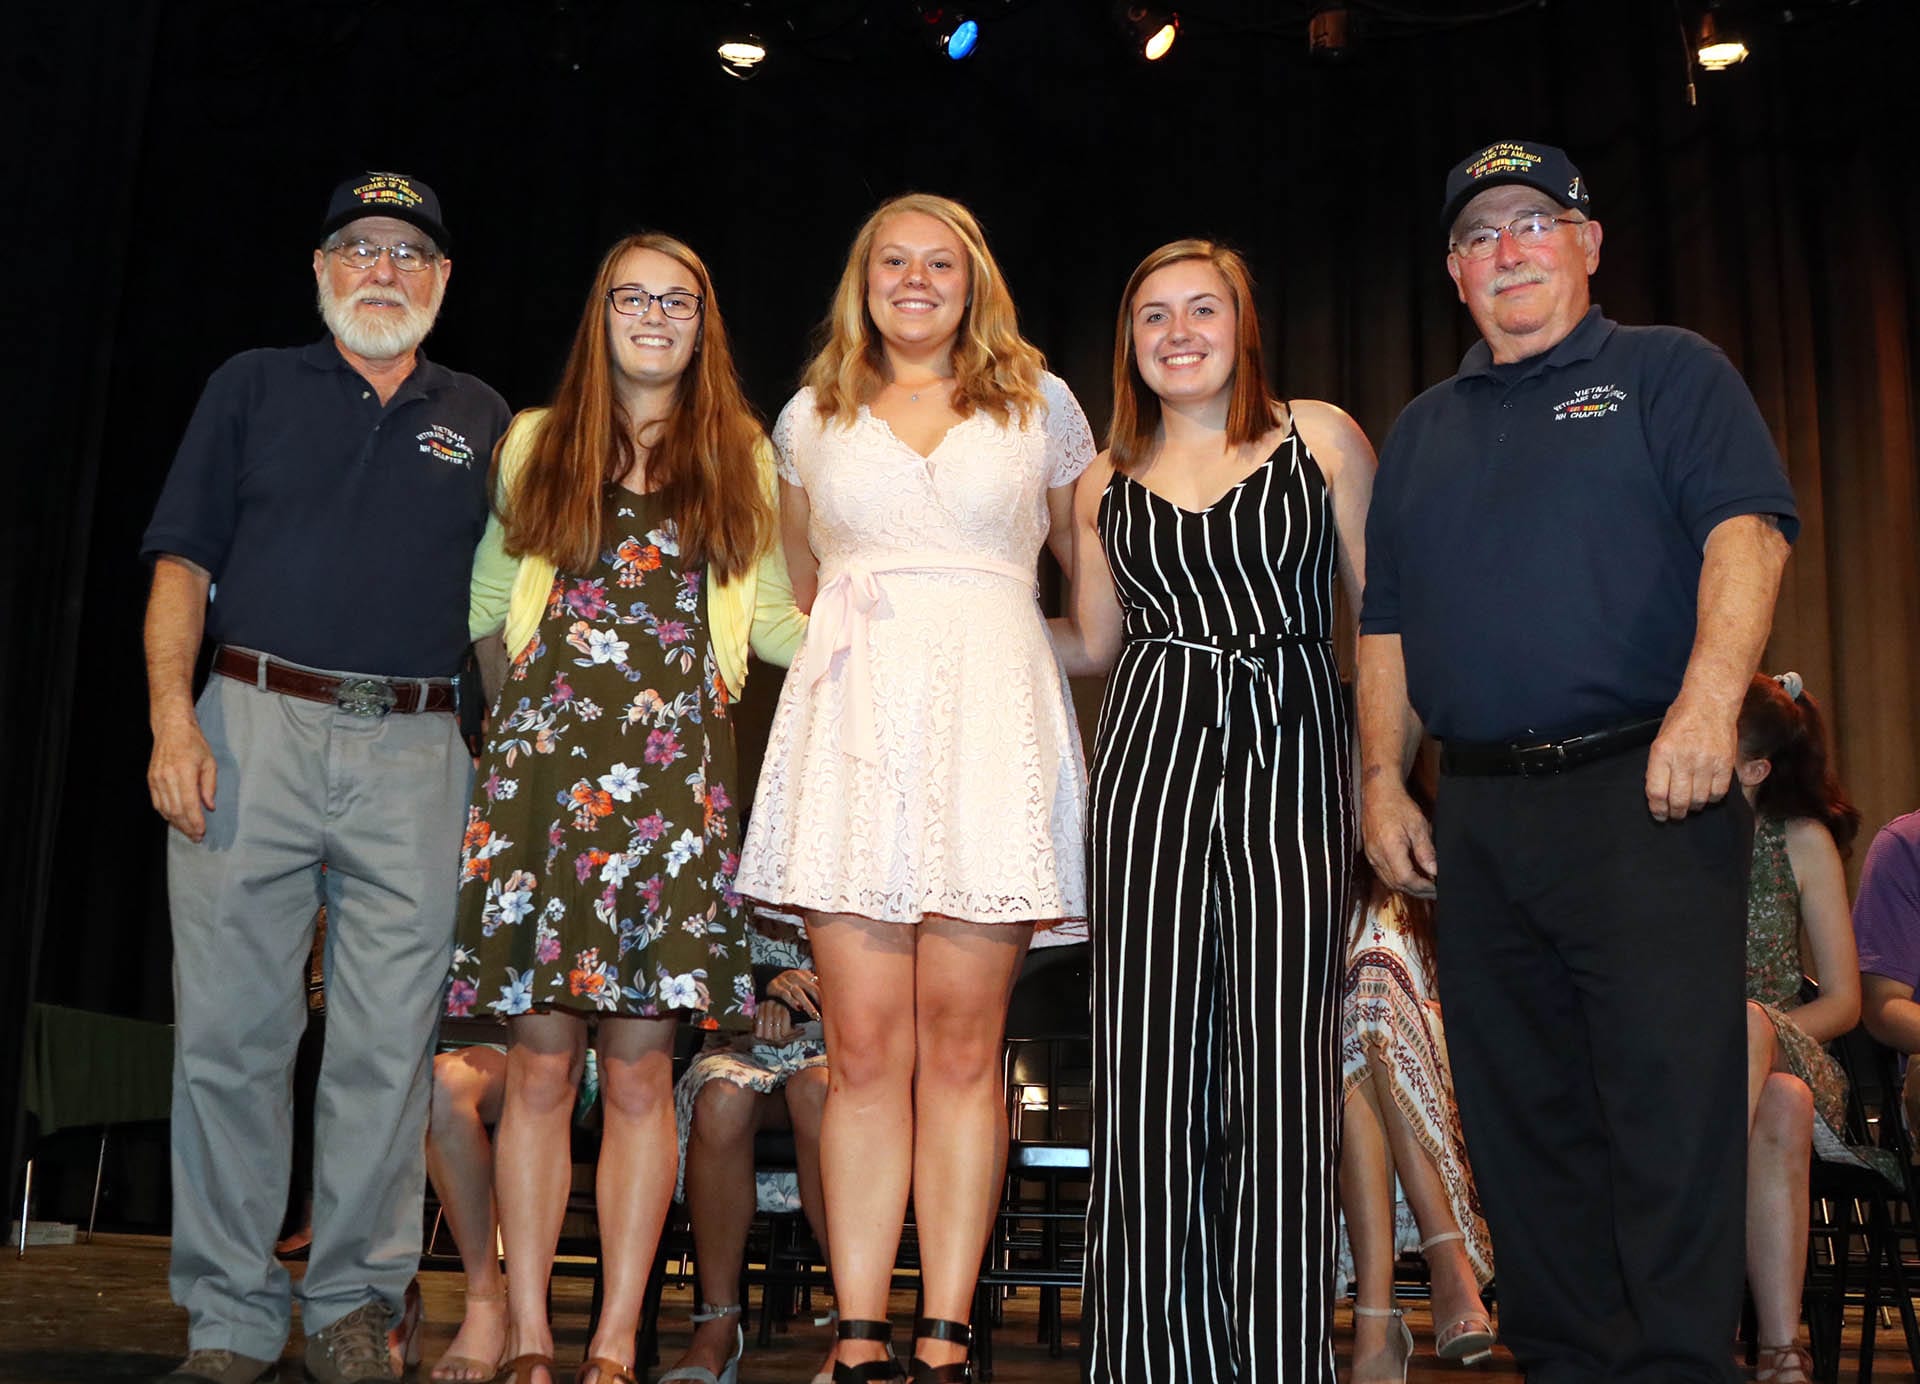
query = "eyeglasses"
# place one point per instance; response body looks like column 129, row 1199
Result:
column 364, row 254
column 633, row 302
column 1479, row 242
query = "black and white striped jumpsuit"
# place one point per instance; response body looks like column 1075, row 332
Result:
column 1222, row 833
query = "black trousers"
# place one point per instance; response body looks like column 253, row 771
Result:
column 1592, row 967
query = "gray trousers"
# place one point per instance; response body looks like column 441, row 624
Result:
column 380, row 802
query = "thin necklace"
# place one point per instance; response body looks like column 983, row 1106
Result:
column 914, row 397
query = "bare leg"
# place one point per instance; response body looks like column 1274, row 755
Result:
column 720, row 1204
column 1762, row 1056
column 634, row 1184
column 1455, row 1287
column 1366, row 1195
column 533, row 1166
column 963, row 979
column 468, row 1086
column 866, row 1130
column 1779, row 1155
column 806, row 1099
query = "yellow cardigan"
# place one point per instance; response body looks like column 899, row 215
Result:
column 509, row 594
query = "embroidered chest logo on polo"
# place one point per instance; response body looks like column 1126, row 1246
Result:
column 1593, row 401
column 444, row 443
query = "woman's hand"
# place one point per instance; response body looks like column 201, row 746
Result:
column 788, row 994
column 772, row 1022
column 798, row 990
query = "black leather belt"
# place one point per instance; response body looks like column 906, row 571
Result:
column 1538, row 758
column 357, row 696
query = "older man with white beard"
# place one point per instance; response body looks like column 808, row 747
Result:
column 318, row 525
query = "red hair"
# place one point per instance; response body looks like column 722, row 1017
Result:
column 1251, row 410
column 1789, row 732
column 703, row 463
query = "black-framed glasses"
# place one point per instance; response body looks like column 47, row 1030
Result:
column 630, row 301
column 1533, row 229
column 364, row 254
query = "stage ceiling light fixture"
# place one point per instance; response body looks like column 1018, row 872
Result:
column 742, row 55
column 1150, row 29
column 952, row 32
column 1327, row 33
column 1720, row 45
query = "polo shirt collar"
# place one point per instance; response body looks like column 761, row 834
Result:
column 427, row 377
column 1582, row 343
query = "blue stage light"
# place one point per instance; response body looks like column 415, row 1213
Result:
column 961, row 42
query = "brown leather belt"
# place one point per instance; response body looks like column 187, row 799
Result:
column 356, row 696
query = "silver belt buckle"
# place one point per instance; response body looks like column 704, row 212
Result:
column 365, row 697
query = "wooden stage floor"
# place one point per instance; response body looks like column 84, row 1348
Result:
column 101, row 1312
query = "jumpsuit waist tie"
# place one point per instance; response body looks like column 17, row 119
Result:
column 851, row 597
column 1247, row 678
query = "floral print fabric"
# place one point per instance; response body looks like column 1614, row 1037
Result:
column 596, row 874
column 1774, row 969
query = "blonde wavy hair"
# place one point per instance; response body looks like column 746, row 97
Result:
column 994, row 367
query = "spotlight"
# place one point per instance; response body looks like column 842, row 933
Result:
column 741, row 55
column 1327, row 33
column 1720, row 45
column 949, row 30
column 1150, row 29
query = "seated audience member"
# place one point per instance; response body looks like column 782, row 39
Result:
column 775, row 1076
column 1886, row 925
column 468, row 1083
column 1399, row 1122
column 1796, row 1092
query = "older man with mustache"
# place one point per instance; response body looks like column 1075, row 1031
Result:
column 1572, row 558
column 318, row 525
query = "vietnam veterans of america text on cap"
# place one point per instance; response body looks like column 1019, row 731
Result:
column 386, row 194
column 1538, row 166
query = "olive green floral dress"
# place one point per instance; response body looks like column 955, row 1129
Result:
column 596, row 874
column 1774, row 968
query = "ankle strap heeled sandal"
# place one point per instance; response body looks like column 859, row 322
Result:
column 939, row 1329
column 873, row 1371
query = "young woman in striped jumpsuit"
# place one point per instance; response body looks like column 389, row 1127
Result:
column 1221, row 818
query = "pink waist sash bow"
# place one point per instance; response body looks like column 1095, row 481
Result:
column 836, row 643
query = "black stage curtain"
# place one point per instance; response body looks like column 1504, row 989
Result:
column 173, row 160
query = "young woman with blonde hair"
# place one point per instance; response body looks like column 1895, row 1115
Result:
column 923, row 795
column 633, row 561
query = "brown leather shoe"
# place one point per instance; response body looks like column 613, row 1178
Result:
column 223, row 1367
column 352, row 1350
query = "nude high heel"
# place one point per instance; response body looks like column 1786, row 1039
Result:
column 1469, row 1337
column 1397, row 1336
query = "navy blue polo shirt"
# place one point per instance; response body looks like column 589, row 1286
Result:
column 339, row 533
column 1537, row 529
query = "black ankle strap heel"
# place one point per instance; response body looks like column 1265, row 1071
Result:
column 873, row 1371
column 939, row 1329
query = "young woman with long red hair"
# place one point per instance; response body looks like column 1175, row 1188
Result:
column 633, row 560
column 922, row 799
column 1798, row 923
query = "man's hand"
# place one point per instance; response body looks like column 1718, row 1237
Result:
column 1691, row 762
column 1399, row 839
column 182, row 776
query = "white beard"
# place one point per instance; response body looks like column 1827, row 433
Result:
column 378, row 333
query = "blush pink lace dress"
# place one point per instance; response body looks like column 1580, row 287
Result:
column 924, row 757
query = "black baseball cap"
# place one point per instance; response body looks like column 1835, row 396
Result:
column 386, row 194
column 1538, row 166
